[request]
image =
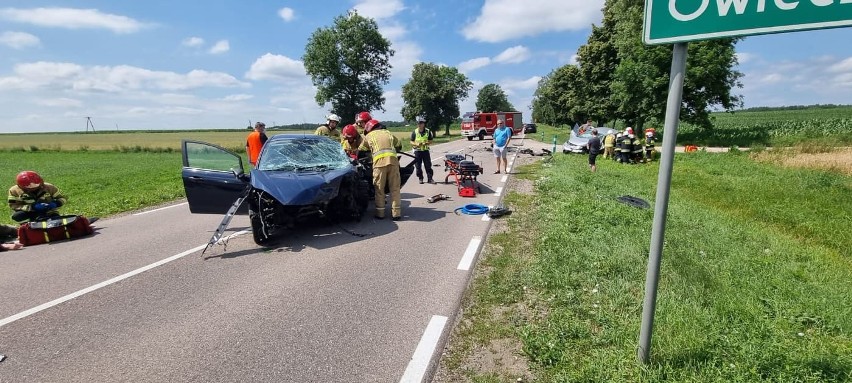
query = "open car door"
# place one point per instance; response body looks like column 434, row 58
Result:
column 213, row 178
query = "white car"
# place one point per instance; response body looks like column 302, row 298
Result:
column 577, row 142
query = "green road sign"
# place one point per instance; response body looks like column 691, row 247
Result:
column 673, row 21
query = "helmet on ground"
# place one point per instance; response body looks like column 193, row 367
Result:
column 363, row 116
column 371, row 126
column 349, row 131
column 421, row 119
column 333, row 117
column 28, row 180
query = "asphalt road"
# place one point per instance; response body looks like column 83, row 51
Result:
column 138, row 302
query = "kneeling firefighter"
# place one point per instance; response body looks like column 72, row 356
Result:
column 384, row 146
column 31, row 198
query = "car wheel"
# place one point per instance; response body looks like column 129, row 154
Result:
column 470, row 138
column 481, row 136
column 258, row 228
column 565, row 151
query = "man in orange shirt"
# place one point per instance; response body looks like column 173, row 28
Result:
column 255, row 142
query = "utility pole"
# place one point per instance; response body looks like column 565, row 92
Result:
column 88, row 124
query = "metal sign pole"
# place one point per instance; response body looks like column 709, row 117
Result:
column 664, row 180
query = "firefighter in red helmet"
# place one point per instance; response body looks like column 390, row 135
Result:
column 384, row 146
column 361, row 120
column 31, row 198
column 353, row 142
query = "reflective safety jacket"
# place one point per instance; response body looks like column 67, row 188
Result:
column 383, row 146
column 626, row 145
column 324, row 130
column 360, row 145
column 254, row 143
column 609, row 140
column 421, row 140
column 20, row 200
column 637, row 145
column 649, row 142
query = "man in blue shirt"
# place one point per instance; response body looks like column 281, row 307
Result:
column 502, row 136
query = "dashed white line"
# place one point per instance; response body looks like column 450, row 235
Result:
column 467, row 259
column 508, row 169
column 498, row 191
column 416, row 369
column 89, row 289
column 162, row 208
column 504, row 179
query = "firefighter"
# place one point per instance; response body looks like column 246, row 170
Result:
column 353, row 142
column 619, row 142
column 361, row 120
column 649, row 144
column 384, row 146
column 329, row 129
column 31, row 198
column 626, row 148
column 638, row 150
column 609, row 144
column 421, row 138
column 255, row 142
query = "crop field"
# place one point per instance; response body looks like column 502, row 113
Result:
column 151, row 141
column 829, row 126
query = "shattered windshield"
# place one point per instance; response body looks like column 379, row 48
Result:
column 309, row 153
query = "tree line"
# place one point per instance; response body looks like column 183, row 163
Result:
column 616, row 76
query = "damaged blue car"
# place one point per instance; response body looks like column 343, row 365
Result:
column 298, row 178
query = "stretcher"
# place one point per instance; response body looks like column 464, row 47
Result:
column 464, row 172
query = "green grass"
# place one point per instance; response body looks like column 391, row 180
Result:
column 100, row 183
column 755, row 255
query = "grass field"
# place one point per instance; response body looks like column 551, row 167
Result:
column 754, row 286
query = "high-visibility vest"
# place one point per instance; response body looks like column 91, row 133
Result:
column 609, row 140
column 422, row 140
column 382, row 144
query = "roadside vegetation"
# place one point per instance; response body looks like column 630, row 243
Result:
column 754, row 282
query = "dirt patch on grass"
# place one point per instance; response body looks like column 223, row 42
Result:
column 839, row 160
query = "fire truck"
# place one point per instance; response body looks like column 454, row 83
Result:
column 481, row 124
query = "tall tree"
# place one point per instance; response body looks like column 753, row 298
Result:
column 597, row 60
column 640, row 82
column 348, row 63
column 557, row 100
column 491, row 98
column 434, row 92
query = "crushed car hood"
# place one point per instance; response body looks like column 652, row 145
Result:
column 300, row 188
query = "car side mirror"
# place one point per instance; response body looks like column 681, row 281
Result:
column 240, row 175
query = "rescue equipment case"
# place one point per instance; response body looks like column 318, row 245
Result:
column 54, row 229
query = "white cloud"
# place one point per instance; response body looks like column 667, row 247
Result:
column 513, row 55
column 237, row 97
column 286, row 14
column 393, row 31
column 573, row 59
column 18, row 40
column 524, row 84
column 379, row 9
column 276, row 67
column 221, row 46
column 502, row 20
column 168, row 110
column 407, row 54
column 842, row 66
column 193, row 42
column 69, row 76
column 61, row 102
column 744, row 57
column 72, row 18
column 473, row 64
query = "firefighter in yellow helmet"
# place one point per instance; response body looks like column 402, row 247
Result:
column 384, row 146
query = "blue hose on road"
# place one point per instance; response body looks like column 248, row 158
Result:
column 472, row 209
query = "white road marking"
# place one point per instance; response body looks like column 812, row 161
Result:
column 162, row 208
column 467, row 259
column 506, row 177
column 508, row 169
column 485, row 216
column 89, row 289
column 416, row 369
column 498, row 191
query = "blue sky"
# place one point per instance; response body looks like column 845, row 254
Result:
column 159, row 64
